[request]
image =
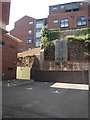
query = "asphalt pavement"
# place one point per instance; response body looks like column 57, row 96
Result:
column 31, row 99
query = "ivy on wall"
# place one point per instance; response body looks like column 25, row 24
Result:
column 80, row 35
column 49, row 35
column 47, row 38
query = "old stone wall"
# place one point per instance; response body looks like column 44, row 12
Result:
column 76, row 52
column 61, row 51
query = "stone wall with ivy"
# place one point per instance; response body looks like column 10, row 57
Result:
column 76, row 52
column 49, row 52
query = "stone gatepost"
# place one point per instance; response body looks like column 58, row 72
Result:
column 61, row 51
column 41, row 58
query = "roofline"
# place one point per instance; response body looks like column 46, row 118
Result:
column 26, row 53
column 23, row 17
column 68, row 3
column 3, row 31
column 42, row 18
column 14, row 38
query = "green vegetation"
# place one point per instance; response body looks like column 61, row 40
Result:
column 53, row 35
column 48, row 36
column 49, row 51
column 83, row 31
column 82, row 35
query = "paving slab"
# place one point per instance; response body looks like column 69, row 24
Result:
column 71, row 86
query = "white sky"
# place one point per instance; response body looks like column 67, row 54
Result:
column 34, row 8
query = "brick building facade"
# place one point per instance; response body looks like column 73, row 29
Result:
column 4, row 14
column 9, row 56
column 8, row 45
column 28, row 30
column 66, row 16
column 24, row 30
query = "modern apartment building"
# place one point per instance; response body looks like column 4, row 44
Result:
column 39, row 24
column 24, row 30
column 8, row 45
column 28, row 30
column 68, row 16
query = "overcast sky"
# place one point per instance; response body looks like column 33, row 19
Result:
column 34, row 8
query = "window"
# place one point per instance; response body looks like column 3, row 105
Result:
column 38, row 43
column 38, row 30
column 64, row 23
column 31, row 22
column 29, row 40
column 75, row 7
column 81, row 4
column 88, row 18
column 11, row 46
column 38, row 34
column 68, row 7
column 29, row 48
column 2, row 43
column 54, row 8
column 39, row 24
column 81, row 21
column 10, row 68
column 40, row 21
column 30, row 31
column 55, row 22
column 62, row 7
column 72, row 7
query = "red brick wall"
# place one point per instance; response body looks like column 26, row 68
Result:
column 4, row 13
column 21, row 31
column 9, row 57
column 0, row 63
column 59, row 14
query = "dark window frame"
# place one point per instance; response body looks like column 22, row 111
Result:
column 30, row 32
column 28, row 42
column 62, row 7
column 11, row 46
column 64, row 21
column 30, row 22
column 80, row 21
column 39, row 42
column 55, row 8
column 72, row 7
column 10, row 68
column 2, row 43
column 81, row 3
column 75, row 6
column 56, row 23
column 68, row 7
column 89, row 18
